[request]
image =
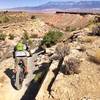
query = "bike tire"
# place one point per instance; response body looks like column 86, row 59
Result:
column 19, row 81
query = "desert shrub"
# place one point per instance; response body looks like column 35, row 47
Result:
column 70, row 29
column 62, row 50
column 90, row 22
column 11, row 36
column 67, row 28
column 31, row 44
column 94, row 21
column 2, row 36
column 5, row 12
column 33, row 17
column 51, row 38
column 97, row 19
column 33, row 36
column 4, row 19
column 87, row 39
column 25, row 35
column 96, row 30
column 72, row 66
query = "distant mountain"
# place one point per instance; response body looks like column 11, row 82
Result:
column 64, row 5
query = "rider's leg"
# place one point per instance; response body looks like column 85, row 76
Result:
column 25, row 63
column 16, row 64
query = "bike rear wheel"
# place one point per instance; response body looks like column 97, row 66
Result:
column 19, row 78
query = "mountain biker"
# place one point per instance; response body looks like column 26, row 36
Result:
column 20, row 48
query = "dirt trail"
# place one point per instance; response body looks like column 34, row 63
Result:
column 7, row 92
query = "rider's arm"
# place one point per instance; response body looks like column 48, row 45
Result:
column 24, row 47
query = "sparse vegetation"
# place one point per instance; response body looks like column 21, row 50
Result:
column 4, row 19
column 11, row 36
column 72, row 66
column 70, row 29
column 5, row 12
column 97, row 19
column 33, row 17
column 96, row 30
column 87, row 39
column 30, row 42
column 51, row 38
column 2, row 36
column 62, row 50
column 94, row 21
column 25, row 36
column 91, row 22
column 33, row 36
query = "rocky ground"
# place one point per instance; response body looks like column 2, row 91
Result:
column 31, row 26
column 82, row 86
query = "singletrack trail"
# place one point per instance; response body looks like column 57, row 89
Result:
column 7, row 91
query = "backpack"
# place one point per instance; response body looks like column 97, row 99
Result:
column 20, row 47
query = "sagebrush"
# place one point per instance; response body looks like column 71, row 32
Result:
column 4, row 19
column 51, row 38
column 3, row 36
column 11, row 36
column 62, row 50
column 72, row 66
column 96, row 30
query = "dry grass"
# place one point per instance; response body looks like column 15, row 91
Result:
column 96, row 30
column 87, row 39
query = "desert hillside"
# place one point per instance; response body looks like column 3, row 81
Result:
column 65, row 63
column 17, row 22
column 63, row 21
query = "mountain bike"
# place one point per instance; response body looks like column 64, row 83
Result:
column 20, row 74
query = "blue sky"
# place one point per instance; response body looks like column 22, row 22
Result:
column 22, row 3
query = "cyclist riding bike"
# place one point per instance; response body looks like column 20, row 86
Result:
column 20, row 51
